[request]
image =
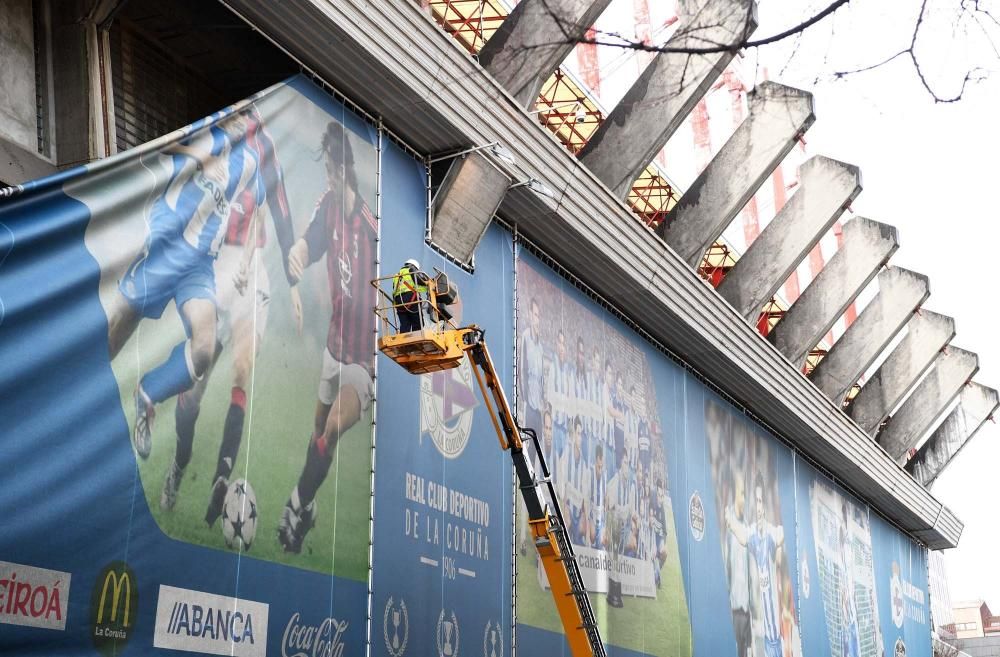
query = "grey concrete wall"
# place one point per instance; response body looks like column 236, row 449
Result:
column 826, row 186
column 926, row 334
column 928, row 402
column 777, row 116
column 18, row 164
column 666, row 91
column 901, row 291
column 867, row 245
column 17, row 74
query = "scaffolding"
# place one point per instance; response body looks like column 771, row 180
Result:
column 473, row 22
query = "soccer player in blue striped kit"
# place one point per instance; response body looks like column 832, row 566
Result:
column 188, row 223
column 763, row 540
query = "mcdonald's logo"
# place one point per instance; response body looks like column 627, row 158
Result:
column 117, row 582
column 114, row 603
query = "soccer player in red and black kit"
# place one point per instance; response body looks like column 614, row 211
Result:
column 345, row 230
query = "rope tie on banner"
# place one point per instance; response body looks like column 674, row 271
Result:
column 8, row 192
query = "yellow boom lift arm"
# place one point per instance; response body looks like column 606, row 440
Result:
column 441, row 345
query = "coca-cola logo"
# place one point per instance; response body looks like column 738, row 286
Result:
column 323, row 640
column 36, row 597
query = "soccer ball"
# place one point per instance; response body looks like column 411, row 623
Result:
column 239, row 515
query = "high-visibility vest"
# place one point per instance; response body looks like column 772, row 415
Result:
column 403, row 283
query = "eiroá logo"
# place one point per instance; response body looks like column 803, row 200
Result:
column 35, row 597
column 323, row 640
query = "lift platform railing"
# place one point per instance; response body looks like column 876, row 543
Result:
column 437, row 345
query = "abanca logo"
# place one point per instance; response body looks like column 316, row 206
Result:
column 209, row 623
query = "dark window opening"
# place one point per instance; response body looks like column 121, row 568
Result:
column 175, row 61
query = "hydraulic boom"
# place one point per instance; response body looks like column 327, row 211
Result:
column 439, row 346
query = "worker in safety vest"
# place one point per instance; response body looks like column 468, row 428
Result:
column 408, row 286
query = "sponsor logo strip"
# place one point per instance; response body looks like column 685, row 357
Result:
column 207, row 623
column 35, row 597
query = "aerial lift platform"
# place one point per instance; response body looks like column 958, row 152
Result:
column 441, row 345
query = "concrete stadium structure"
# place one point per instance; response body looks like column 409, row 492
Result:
column 393, row 60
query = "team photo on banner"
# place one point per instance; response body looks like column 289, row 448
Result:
column 588, row 392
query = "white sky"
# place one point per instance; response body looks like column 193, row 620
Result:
column 930, row 170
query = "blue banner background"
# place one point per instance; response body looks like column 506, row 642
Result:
column 414, row 563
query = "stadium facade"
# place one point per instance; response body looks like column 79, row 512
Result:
column 712, row 473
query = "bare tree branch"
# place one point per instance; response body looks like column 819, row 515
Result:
column 722, row 47
column 686, row 38
column 976, row 74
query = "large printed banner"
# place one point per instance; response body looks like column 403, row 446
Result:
column 696, row 531
column 188, row 413
column 442, row 578
column 186, row 398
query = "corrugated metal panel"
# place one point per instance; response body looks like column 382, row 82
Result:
column 431, row 93
column 153, row 92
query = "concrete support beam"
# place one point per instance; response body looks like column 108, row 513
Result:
column 900, row 292
column 777, row 116
column 826, row 187
column 866, row 247
column 953, row 368
column 667, row 90
column 465, row 204
column 534, row 40
column 927, row 333
column 976, row 404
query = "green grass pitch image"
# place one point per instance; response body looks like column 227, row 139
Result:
column 278, row 427
column 653, row 626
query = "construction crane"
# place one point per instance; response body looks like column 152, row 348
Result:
column 441, row 345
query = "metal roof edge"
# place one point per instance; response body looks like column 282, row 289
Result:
column 433, row 94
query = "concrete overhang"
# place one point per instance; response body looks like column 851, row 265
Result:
column 392, row 59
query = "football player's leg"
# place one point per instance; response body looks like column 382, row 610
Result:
column 244, row 345
column 185, row 417
column 345, row 391
column 122, row 321
column 299, row 513
column 187, row 362
column 344, row 414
